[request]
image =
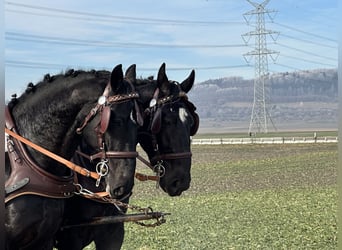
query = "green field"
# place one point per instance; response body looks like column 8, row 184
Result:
column 246, row 197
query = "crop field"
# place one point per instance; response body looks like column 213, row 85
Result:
column 246, row 197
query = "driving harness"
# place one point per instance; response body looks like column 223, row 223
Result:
column 27, row 177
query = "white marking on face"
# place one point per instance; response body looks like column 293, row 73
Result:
column 183, row 114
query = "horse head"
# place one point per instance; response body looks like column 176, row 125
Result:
column 110, row 134
column 170, row 122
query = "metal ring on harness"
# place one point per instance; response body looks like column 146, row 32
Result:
column 159, row 169
column 102, row 170
column 102, row 167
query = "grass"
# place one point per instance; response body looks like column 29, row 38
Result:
column 246, row 197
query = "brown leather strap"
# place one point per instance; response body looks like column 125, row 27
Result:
column 144, row 177
column 109, row 154
column 147, row 163
column 105, row 117
column 90, row 116
column 58, row 158
column 171, row 156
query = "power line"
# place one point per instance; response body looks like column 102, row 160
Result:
column 101, row 17
column 33, row 65
column 307, row 52
column 90, row 16
column 116, row 17
column 307, row 33
column 309, row 41
column 306, row 60
column 72, row 41
column 43, row 65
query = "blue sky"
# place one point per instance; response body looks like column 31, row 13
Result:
column 44, row 36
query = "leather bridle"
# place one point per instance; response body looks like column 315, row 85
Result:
column 153, row 111
column 103, row 108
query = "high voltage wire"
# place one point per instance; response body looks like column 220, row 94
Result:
column 102, row 17
column 115, row 17
column 306, row 60
column 38, row 65
column 304, row 52
column 108, row 21
column 307, row 33
column 88, row 16
column 309, row 41
column 307, row 52
column 72, row 41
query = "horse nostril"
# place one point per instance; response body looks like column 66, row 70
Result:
column 177, row 186
column 176, row 183
column 117, row 192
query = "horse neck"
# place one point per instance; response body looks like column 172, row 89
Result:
column 49, row 116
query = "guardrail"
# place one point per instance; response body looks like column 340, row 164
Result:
column 265, row 140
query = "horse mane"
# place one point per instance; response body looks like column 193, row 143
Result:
column 144, row 81
column 56, row 79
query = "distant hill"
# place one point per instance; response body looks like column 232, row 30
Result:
column 307, row 99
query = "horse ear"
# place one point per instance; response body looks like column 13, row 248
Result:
column 162, row 80
column 131, row 74
column 116, row 77
column 187, row 84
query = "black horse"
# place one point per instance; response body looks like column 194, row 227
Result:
column 50, row 114
column 169, row 121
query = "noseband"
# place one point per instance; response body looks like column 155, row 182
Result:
column 103, row 108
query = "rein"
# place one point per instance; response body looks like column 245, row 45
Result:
column 69, row 164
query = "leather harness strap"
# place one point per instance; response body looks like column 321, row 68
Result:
column 109, row 154
column 58, row 158
column 28, row 178
column 171, row 156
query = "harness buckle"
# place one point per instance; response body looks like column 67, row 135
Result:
column 159, row 169
column 102, row 170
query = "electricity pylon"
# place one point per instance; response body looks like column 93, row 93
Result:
column 260, row 117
